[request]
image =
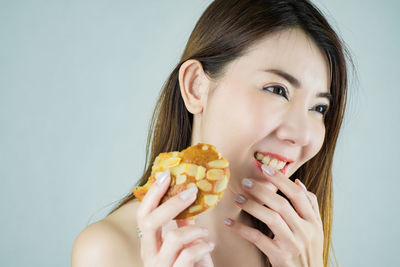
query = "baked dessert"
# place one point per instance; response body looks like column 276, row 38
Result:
column 200, row 165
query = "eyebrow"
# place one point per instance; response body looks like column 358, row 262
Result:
column 296, row 83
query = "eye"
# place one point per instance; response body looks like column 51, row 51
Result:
column 323, row 109
column 277, row 89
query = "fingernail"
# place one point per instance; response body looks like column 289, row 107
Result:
column 161, row 176
column 228, row 221
column 268, row 170
column 247, row 183
column 240, row 199
column 302, row 185
column 188, row 193
column 212, row 244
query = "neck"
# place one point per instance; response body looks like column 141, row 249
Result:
column 225, row 208
column 225, row 239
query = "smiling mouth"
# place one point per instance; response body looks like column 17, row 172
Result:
column 270, row 160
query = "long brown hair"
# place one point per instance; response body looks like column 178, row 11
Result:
column 223, row 33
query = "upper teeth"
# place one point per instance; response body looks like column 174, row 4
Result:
column 270, row 161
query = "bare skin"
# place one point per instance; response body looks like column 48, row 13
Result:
column 245, row 253
column 242, row 114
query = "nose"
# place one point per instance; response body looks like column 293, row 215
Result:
column 295, row 127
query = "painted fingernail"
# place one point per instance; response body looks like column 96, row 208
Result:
column 228, row 222
column 188, row 193
column 162, row 176
column 247, row 183
column 302, row 185
column 268, row 170
column 240, row 199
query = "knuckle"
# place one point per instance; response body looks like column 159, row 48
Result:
column 146, row 225
column 283, row 205
column 188, row 256
column 255, row 236
column 174, row 237
column 287, row 261
column 274, row 219
column 297, row 250
column 311, row 194
column 290, row 257
column 286, row 208
column 298, row 193
column 313, row 197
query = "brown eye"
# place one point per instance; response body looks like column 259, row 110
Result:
column 323, row 109
column 276, row 89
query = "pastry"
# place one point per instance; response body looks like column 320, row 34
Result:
column 200, row 165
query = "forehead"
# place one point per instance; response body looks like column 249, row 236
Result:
column 291, row 51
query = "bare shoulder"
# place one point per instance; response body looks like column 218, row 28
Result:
column 109, row 242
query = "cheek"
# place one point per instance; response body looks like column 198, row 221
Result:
column 317, row 140
column 321, row 136
column 231, row 122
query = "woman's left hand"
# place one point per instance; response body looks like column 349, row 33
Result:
column 298, row 232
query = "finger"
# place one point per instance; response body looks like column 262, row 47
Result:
column 299, row 183
column 271, row 218
column 312, row 198
column 184, row 222
column 153, row 196
column 162, row 215
column 206, row 261
column 296, row 194
column 275, row 202
column 172, row 207
column 314, row 203
column 150, row 241
column 263, row 242
column 189, row 256
column 176, row 240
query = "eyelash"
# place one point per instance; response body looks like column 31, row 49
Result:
column 280, row 87
column 325, row 109
column 285, row 95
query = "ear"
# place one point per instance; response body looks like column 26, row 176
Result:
column 193, row 85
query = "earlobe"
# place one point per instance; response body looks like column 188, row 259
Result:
column 193, row 85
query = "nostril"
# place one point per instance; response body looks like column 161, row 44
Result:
column 291, row 141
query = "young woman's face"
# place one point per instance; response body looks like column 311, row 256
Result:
column 256, row 108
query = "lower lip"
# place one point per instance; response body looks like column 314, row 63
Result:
column 283, row 171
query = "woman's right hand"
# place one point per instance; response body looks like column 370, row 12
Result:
column 181, row 247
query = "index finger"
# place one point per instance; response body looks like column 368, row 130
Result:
column 149, row 243
column 294, row 192
column 153, row 196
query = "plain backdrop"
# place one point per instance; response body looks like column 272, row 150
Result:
column 78, row 83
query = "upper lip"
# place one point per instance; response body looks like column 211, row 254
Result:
column 277, row 156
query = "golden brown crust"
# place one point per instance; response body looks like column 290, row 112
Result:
column 200, row 165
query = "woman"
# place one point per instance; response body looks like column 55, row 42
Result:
column 257, row 78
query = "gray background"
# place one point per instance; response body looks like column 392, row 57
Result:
column 78, row 82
